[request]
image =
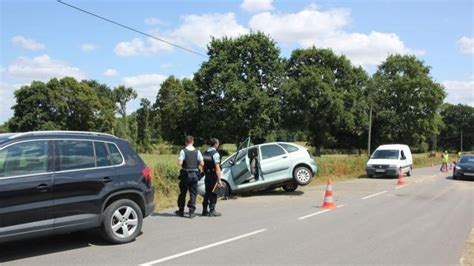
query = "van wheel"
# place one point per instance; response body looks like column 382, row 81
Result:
column 302, row 175
column 290, row 187
column 409, row 171
column 123, row 221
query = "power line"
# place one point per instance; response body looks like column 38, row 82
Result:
column 132, row 29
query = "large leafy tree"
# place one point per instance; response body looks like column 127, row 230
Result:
column 324, row 96
column 456, row 119
column 238, row 88
column 57, row 104
column 176, row 106
column 406, row 102
column 107, row 101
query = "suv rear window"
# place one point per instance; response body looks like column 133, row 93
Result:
column 24, row 158
column 101, row 154
column 75, row 154
column 115, row 155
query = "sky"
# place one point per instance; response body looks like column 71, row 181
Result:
column 43, row 39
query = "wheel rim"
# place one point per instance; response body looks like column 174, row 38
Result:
column 124, row 222
column 303, row 175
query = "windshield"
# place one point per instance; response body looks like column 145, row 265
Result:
column 385, row 154
column 467, row 159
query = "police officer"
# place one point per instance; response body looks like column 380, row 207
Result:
column 212, row 170
column 189, row 160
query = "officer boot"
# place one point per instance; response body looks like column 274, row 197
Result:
column 179, row 213
column 213, row 213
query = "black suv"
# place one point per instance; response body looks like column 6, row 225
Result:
column 62, row 181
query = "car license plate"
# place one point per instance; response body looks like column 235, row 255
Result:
column 380, row 170
column 469, row 174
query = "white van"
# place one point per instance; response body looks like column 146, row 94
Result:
column 387, row 160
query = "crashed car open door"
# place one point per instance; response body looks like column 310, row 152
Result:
column 240, row 165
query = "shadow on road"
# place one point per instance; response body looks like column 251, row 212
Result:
column 42, row 246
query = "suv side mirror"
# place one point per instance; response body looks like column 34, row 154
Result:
column 403, row 158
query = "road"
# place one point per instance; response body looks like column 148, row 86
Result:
column 426, row 222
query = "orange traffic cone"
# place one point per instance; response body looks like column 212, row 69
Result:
column 400, row 178
column 444, row 168
column 328, row 200
column 450, row 166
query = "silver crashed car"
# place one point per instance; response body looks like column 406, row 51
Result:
column 266, row 166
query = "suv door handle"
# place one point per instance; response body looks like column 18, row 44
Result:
column 106, row 179
column 284, row 157
column 42, row 187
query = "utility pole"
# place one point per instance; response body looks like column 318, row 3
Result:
column 461, row 142
column 370, row 130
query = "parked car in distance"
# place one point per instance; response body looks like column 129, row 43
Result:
column 464, row 167
column 387, row 160
column 266, row 166
column 54, row 182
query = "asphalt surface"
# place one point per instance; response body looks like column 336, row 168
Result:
column 426, row 222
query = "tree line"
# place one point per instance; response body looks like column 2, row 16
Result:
column 246, row 87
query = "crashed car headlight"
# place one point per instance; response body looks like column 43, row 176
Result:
column 458, row 167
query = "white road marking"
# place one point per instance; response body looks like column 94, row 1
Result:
column 402, row 186
column 202, row 248
column 374, row 195
column 319, row 212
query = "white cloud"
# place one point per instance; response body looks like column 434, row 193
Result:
column 146, row 85
column 198, row 29
column 26, row 43
column 460, row 91
column 194, row 30
column 466, row 44
column 88, row 47
column 137, row 47
column 154, row 21
column 256, row 5
column 25, row 69
column 110, row 72
column 326, row 29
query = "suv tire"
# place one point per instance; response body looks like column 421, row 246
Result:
column 302, row 175
column 122, row 222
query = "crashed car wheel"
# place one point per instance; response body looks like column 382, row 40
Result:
column 302, row 175
column 290, row 187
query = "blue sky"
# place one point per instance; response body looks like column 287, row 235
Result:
column 44, row 39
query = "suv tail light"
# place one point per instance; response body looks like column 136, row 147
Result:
column 147, row 174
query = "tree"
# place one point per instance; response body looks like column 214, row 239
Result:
column 456, row 119
column 176, row 105
column 238, row 88
column 122, row 96
column 406, row 102
column 107, row 101
column 59, row 104
column 143, row 125
column 324, row 97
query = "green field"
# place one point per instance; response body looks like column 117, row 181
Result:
column 336, row 167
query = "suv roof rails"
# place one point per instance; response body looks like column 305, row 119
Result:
column 66, row 132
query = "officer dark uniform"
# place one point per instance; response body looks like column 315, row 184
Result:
column 211, row 159
column 190, row 159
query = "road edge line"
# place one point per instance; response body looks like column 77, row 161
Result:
column 374, row 195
